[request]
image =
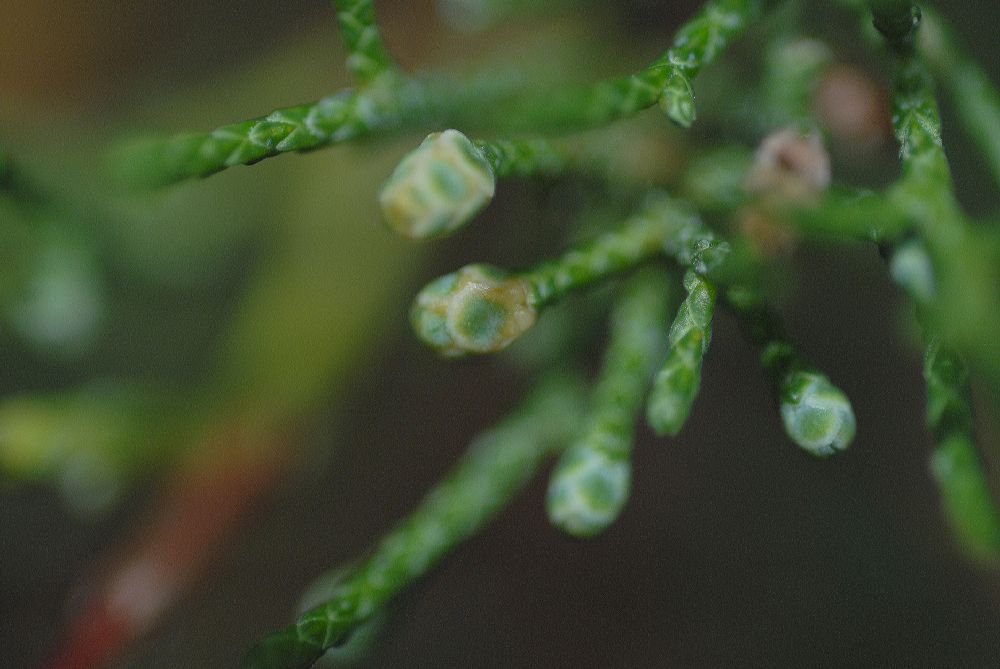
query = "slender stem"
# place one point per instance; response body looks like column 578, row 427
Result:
column 338, row 118
column 698, row 43
column 715, row 182
column 498, row 464
column 591, row 481
column 956, row 464
column 527, row 157
column 638, row 240
column 667, row 80
column 677, row 383
column 663, row 226
column 852, row 214
column 367, row 56
column 976, row 98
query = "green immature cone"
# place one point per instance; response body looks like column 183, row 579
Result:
column 478, row 309
column 591, row 481
column 676, row 385
column 437, row 188
column 816, row 414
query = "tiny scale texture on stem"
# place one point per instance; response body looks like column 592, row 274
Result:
column 717, row 221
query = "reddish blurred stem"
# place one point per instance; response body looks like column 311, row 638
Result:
column 204, row 502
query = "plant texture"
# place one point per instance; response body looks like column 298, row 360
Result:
column 702, row 241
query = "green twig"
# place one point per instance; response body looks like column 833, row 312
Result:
column 967, row 307
column 367, row 56
column 976, row 99
column 527, row 157
column 966, row 495
column 661, row 226
column 591, row 481
column 677, row 383
column 851, row 214
column 341, row 117
column 715, row 182
column 499, row 463
column 667, row 81
column 926, row 189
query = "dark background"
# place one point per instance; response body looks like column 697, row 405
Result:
column 735, row 550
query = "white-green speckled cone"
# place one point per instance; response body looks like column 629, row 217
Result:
column 817, row 415
column 588, row 490
column 478, row 309
column 437, row 188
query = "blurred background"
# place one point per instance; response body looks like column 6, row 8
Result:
column 236, row 352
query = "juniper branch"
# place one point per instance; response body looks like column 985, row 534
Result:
column 386, row 104
column 591, row 481
column 917, row 265
column 498, row 464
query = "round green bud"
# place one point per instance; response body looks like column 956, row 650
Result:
column 588, row 490
column 817, row 415
column 438, row 187
column 478, row 309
